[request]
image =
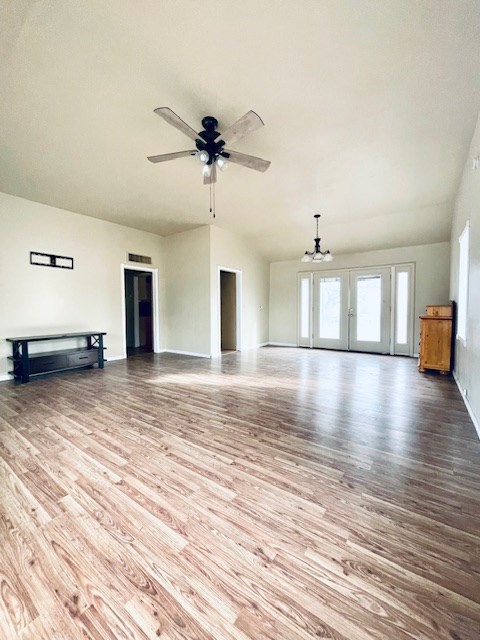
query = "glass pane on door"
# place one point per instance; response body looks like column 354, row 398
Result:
column 403, row 300
column 304, row 309
column 401, row 324
column 369, row 315
column 329, row 315
column 369, row 308
column 330, row 304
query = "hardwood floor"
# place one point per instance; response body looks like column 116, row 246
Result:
column 274, row 494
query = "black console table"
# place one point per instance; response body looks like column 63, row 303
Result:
column 26, row 365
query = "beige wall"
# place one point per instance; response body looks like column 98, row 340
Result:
column 187, row 291
column 467, row 207
column 232, row 252
column 432, row 263
column 192, row 295
column 42, row 300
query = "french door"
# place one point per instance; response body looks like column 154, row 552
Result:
column 369, row 311
column 358, row 310
column 330, row 310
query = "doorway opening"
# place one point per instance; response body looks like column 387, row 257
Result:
column 228, row 311
column 138, row 312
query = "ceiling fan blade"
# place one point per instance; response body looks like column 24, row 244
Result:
column 252, row 162
column 212, row 176
column 172, row 156
column 172, row 118
column 247, row 124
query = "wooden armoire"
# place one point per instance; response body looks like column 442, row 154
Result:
column 436, row 335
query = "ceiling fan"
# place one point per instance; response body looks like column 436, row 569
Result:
column 210, row 143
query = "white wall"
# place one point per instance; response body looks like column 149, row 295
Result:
column 230, row 251
column 467, row 207
column 187, row 291
column 432, row 264
column 42, row 300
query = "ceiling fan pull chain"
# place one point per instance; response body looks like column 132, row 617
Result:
column 212, row 198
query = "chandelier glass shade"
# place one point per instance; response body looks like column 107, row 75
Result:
column 317, row 255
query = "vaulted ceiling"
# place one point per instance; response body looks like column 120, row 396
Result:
column 369, row 107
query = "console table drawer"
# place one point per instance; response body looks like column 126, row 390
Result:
column 47, row 363
column 83, row 358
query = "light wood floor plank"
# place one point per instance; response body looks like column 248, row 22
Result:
column 278, row 494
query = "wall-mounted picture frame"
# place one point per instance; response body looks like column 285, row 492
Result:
column 50, row 260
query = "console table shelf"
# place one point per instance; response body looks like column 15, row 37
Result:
column 26, row 364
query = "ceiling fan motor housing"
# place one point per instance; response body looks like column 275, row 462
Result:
column 207, row 140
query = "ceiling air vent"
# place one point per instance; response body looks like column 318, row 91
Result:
column 133, row 257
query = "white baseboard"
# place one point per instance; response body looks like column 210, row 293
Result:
column 124, row 357
column 281, row 344
column 188, row 353
column 467, row 404
column 250, row 347
column 5, row 376
column 253, row 346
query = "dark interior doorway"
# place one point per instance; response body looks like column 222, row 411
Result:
column 228, row 310
column 138, row 312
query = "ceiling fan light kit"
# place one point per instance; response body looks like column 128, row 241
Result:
column 202, row 157
column 222, row 164
column 317, row 255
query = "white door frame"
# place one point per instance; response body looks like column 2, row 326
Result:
column 238, row 308
column 155, row 318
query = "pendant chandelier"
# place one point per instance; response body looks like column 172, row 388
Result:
column 317, row 255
